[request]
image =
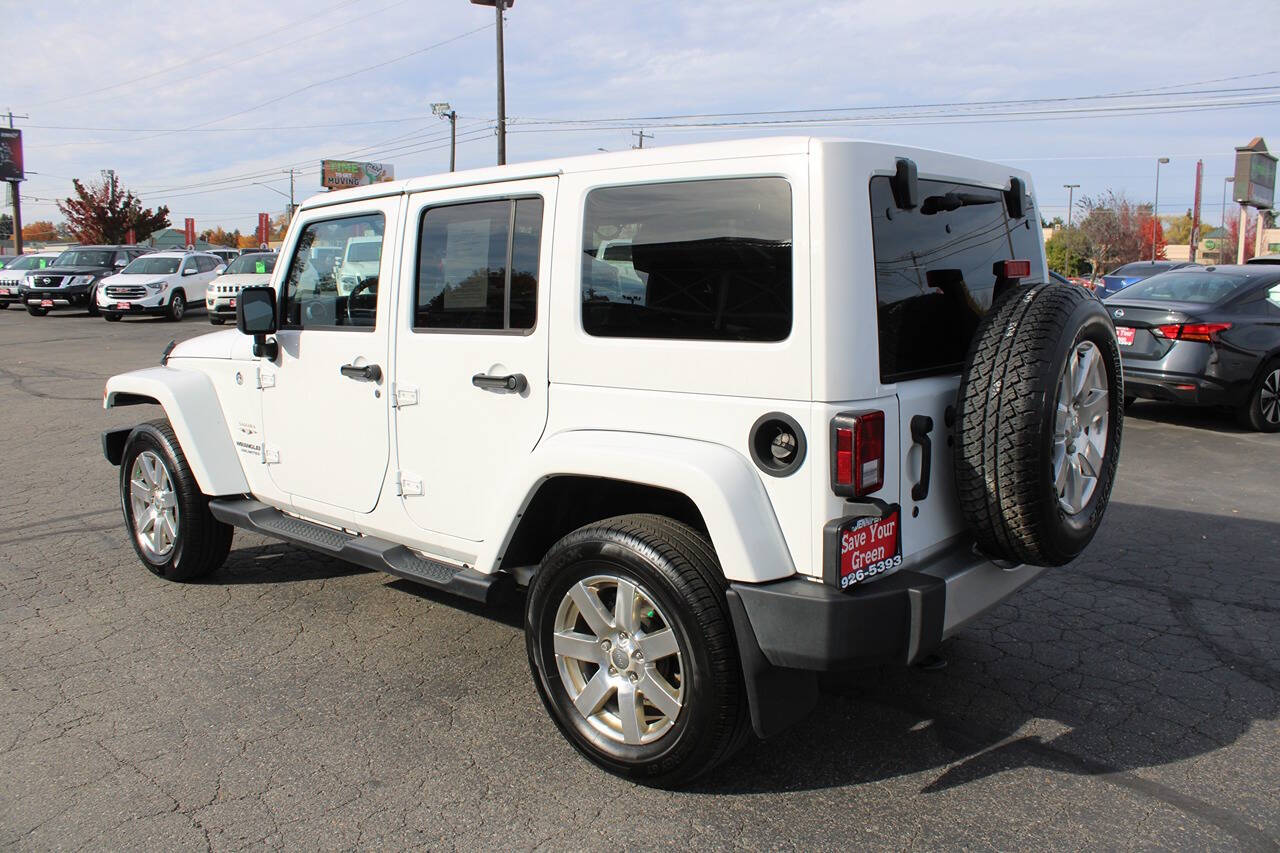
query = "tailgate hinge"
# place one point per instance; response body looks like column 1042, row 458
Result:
column 405, row 395
column 266, row 379
column 270, row 455
column 407, row 485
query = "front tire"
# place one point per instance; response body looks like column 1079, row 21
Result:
column 177, row 307
column 217, row 321
column 633, row 652
column 92, row 305
column 109, row 317
column 165, row 513
column 1262, row 411
column 36, row 311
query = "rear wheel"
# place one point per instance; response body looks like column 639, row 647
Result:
column 1262, row 411
column 36, row 311
column 632, row 649
column 166, row 515
column 177, row 306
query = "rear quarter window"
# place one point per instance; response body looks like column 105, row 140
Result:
column 695, row 260
column 935, row 271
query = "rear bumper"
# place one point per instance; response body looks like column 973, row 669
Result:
column 790, row 630
column 1188, row 389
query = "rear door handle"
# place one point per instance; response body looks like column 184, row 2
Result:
column 367, row 373
column 514, row 382
column 921, row 426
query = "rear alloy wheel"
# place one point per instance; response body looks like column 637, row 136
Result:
column 633, row 651
column 177, row 307
column 1262, row 411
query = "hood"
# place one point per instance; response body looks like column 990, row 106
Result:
column 79, row 270
column 244, row 279
column 225, row 344
column 119, row 278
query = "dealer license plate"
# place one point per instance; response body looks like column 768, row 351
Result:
column 4, row 291
column 46, row 303
column 869, row 547
column 1124, row 334
column 232, row 302
column 123, row 306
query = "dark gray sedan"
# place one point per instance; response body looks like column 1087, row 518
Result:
column 1204, row 336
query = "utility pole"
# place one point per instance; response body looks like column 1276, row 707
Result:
column 292, row 206
column 17, row 202
column 641, row 135
column 1071, row 189
column 499, row 6
column 445, row 111
column 1155, row 209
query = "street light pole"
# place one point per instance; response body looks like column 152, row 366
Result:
column 1222, row 224
column 1155, row 209
column 443, row 110
column 1071, row 189
column 500, row 6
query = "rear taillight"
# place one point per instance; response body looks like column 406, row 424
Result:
column 1016, row 269
column 857, row 446
column 1204, row 332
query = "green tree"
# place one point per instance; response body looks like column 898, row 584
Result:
column 1178, row 229
column 6, row 226
column 105, row 213
column 1068, row 251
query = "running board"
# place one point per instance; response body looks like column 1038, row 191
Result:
column 367, row 551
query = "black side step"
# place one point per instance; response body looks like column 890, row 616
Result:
column 367, row 551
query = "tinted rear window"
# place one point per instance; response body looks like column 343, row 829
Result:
column 1203, row 287
column 697, row 260
column 935, row 275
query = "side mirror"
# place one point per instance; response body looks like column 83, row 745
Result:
column 256, row 315
column 190, row 271
column 121, row 263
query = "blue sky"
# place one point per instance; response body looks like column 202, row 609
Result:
column 192, row 104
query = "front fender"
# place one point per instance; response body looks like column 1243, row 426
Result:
column 191, row 404
column 719, row 481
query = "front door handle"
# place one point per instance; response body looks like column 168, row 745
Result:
column 921, row 426
column 367, row 373
column 514, row 382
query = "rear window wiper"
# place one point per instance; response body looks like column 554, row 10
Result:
column 954, row 201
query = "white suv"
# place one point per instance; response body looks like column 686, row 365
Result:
column 159, row 283
column 734, row 414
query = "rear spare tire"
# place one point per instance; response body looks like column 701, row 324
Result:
column 1040, row 410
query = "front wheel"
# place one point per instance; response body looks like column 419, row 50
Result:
column 165, row 513
column 110, row 318
column 93, row 306
column 217, row 321
column 633, row 652
column 1262, row 411
column 177, row 307
column 36, row 311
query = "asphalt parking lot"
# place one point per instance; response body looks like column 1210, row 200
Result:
column 1128, row 700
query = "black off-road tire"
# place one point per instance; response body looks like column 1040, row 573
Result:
column 92, row 305
column 1005, row 421
column 37, row 311
column 110, row 317
column 1251, row 414
column 678, row 567
column 203, row 542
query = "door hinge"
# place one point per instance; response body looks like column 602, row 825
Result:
column 407, row 485
column 406, row 395
column 270, row 455
column 266, row 379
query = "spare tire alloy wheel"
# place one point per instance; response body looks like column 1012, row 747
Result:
column 620, row 663
column 1039, row 415
column 1080, row 427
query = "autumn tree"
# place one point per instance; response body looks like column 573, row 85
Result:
column 1233, row 237
column 221, row 237
column 1147, row 224
column 1178, row 229
column 104, row 212
column 1113, row 225
column 40, row 231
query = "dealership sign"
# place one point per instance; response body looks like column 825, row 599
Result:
column 1255, row 180
column 10, row 154
column 342, row 174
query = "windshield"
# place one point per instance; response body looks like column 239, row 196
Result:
column 369, row 251
column 85, row 258
column 1203, row 287
column 152, row 266
column 30, row 262
column 251, row 264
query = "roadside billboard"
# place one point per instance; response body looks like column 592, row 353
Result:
column 10, row 154
column 343, row 174
column 1255, row 180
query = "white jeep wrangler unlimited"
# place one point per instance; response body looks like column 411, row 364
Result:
column 733, row 413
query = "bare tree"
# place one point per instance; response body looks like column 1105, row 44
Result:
column 1114, row 226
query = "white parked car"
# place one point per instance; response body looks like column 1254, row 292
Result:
column 159, row 283
column 252, row 270
column 359, row 262
column 15, row 271
column 849, row 413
